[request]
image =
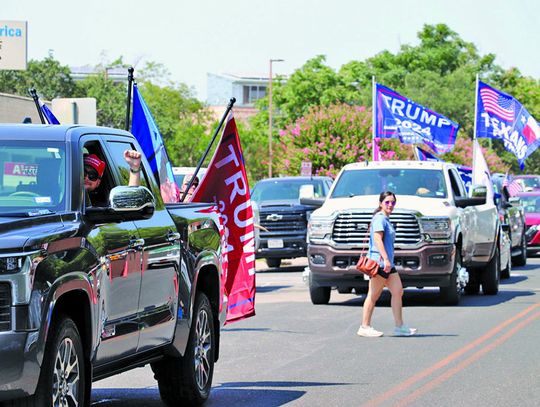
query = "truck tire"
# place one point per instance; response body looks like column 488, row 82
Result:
column 187, row 380
column 62, row 379
column 491, row 275
column 473, row 286
column 318, row 295
column 273, row 263
column 521, row 259
column 451, row 294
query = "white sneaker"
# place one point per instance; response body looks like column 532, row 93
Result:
column 368, row 332
column 404, row 330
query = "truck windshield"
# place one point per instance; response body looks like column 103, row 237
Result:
column 32, row 177
column 419, row 182
column 285, row 190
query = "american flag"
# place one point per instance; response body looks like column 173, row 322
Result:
column 497, row 103
column 512, row 186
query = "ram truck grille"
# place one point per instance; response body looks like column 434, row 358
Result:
column 351, row 228
column 5, row 307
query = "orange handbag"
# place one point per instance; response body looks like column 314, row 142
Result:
column 366, row 265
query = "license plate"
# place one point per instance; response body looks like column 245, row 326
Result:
column 275, row 243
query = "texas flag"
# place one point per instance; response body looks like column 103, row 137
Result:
column 225, row 183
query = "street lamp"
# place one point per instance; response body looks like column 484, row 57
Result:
column 270, row 154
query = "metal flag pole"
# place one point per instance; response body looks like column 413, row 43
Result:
column 475, row 129
column 232, row 101
column 128, row 101
column 34, row 95
column 373, row 118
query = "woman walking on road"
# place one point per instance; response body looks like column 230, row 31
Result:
column 381, row 249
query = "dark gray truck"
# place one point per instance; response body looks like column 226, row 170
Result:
column 89, row 292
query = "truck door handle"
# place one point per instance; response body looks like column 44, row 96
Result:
column 136, row 243
column 173, row 236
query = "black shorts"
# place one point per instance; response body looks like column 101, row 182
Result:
column 385, row 275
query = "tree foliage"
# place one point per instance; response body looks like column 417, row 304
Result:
column 440, row 73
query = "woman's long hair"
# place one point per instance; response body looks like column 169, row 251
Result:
column 382, row 196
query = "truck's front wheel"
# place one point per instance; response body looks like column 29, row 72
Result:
column 521, row 259
column 188, row 380
column 451, row 294
column 62, row 378
column 318, row 295
column 491, row 275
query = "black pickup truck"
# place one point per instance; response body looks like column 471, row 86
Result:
column 282, row 218
column 87, row 292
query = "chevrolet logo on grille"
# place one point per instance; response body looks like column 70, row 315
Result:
column 274, row 217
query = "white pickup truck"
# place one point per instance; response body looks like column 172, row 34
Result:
column 444, row 238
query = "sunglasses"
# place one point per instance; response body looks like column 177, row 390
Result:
column 91, row 174
column 389, row 203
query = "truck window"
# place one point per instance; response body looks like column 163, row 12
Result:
column 32, row 176
column 456, row 184
column 117, row 148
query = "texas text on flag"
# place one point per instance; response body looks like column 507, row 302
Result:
column 502, row 117
column 145, row 130
column 399, row 117
column 226, row 184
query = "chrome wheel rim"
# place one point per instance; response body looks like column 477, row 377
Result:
column 203, row 345
column 65, row 391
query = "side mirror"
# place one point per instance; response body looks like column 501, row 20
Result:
column 316, row 202
column 125, row 204
column 478, row 191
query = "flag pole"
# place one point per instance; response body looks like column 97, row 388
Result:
column 232, row 101
column 128, row 101
column 34, row 95
column 373, row 102
column 475, row 120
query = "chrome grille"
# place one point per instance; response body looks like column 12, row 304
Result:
column 5, row 307
column 284, row 223
column 351, row 228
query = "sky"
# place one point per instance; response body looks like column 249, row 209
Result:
column 196, row 37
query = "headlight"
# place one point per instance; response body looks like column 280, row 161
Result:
column 436, row 228
column 11, row 265
column 319, row 228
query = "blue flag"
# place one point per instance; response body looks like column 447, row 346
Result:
column 500, row 116
column 49, row 115
column 145, row 130
column 423, row 155
column 399, row 117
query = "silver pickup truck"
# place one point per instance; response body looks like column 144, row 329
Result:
column 443, row 237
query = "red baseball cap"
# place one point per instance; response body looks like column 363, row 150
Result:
column 93, row 161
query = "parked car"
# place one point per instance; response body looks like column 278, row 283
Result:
column 89, row 291
column 528, row 182
column 511, row 212
column 282, row 218
column 531, row 204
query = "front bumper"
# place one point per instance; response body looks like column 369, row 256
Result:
column 292, row 248
column 20, row 371
column 430, row 265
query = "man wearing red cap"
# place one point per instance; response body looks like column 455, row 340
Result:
column 94, row 168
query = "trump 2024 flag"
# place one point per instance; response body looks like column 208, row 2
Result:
column 399, row 117
column 501, row 116
column 225, row 183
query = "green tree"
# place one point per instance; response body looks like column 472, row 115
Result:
column 50, row 78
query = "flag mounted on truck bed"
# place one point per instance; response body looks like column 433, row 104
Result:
column 226, row 184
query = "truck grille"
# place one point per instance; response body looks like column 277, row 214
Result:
column 351, row 228
column 5, row 307
column 282, row 223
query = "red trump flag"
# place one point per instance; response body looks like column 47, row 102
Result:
column 225, row 183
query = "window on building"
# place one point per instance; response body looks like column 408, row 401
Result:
column 253, row 93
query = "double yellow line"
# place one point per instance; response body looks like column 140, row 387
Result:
column 525, row 317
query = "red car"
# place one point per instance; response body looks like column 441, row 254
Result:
column 531, row 204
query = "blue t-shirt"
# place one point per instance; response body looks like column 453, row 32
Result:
column 380, row 223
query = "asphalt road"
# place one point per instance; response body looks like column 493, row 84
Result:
column 483, row 352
